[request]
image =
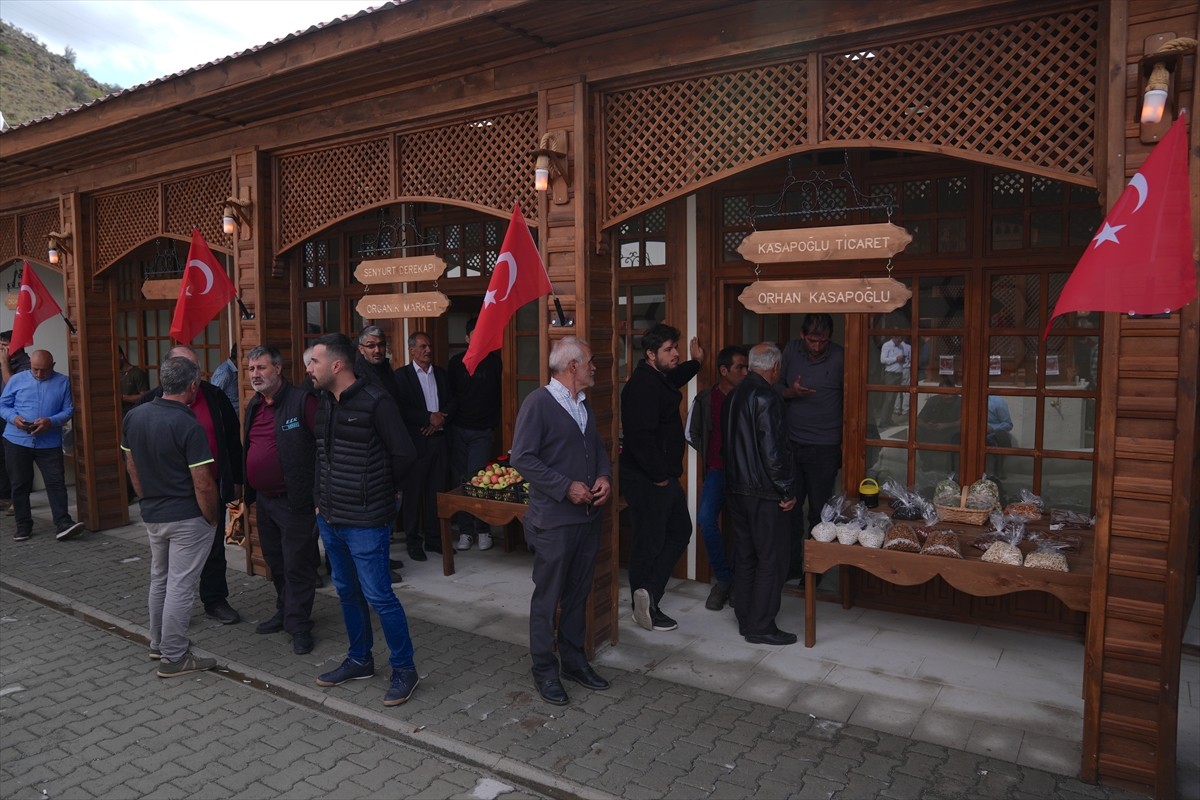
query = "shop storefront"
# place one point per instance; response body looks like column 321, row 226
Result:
column 996, row 134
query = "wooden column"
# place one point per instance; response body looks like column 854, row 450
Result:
column 92, row 359
column 1146, row 529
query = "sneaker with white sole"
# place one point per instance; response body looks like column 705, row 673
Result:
column 69, row 532
column 641, row 609
column 463, row 543
column 186, row 665
column 485, row 541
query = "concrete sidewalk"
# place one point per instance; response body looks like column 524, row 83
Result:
column 644, row 738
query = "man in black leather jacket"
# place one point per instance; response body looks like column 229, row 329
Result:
column 759, row 493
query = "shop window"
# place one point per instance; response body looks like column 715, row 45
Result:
column 933, row 211
column 639, row 307
column 1033, row 212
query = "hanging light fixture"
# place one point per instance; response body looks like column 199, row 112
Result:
column 57, row 244
column 1158, row 74
column 550, row 168
column 236, row 211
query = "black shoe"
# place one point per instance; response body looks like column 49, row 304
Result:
column 21, row 536
column 417, row 555
column 433, row 546
column 302, row 643
column 585, row 676
column 779, row 638
column 69, row 532
column 717, row 596
column 552, row 691
column 272, row 625
column 660, row 621
column 395, row 563
column 224, row 612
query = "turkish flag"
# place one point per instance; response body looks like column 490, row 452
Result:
column 35, row 305
column 1140, row 261
column 204, row 291
column 517, row 278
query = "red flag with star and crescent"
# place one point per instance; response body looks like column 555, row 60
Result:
column 517, row 278
column 35, row 305
column 1140, row 261
column 204, row 291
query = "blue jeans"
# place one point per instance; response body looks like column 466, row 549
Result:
column 712, row 500
column 359, row 558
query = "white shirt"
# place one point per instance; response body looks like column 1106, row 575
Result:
column 428, row 387
column 889, row 352
column 572, row 405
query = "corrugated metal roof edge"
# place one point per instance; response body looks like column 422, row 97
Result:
column 248, row 51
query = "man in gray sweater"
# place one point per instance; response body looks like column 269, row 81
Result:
column 558, row 450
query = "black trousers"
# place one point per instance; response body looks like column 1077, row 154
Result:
column 426, row 478
column 762, row 532
column 564, row 560
column 289, row 546
column 816, row 468
column 19, row 461
column 662, row 528
column 213, row 586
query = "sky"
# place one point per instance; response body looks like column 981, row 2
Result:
column 130, row 42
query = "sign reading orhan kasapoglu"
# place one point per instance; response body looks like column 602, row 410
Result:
column 831, row 295
column 843, row 243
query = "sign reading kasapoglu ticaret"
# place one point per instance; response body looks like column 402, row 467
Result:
column 831, row 295
column 842, row 243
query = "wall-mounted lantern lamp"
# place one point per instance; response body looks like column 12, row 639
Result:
column 236, row 211
column 57, row 244
column 550, row 169
column 1157, row 71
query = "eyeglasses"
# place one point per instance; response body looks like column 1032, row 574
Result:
column 373, row 345
column 817, row 339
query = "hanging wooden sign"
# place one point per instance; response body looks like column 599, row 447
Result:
column 842, row 243
column 165, row 289
column 395, row 306
column 400, row 270
column 832, row 295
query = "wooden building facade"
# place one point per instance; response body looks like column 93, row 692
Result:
column 1000, row 132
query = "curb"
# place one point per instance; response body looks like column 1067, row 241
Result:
column 375, row 721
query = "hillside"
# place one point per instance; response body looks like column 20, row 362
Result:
column 35, row 83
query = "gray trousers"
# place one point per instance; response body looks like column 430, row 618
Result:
column 177, row 554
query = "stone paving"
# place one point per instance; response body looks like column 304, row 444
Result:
column 84, row 716
column 644, row 738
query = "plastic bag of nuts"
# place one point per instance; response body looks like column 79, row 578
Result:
column 1005, row 548
column 902, row 538
column 831, row 513
column 1047, row 555
column 941, row 542
column 1029, row 508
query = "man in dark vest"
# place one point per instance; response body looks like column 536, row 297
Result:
column 363, row 453
column 280, row 468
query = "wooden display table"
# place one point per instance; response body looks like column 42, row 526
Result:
column 493, row 512
column 968, row 574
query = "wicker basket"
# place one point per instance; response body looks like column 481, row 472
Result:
column 960, row 513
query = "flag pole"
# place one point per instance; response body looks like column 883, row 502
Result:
column 246, row 315
column 70, row 325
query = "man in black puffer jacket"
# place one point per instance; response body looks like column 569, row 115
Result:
column 363, row 454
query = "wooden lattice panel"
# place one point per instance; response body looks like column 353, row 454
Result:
column 197, row 202
column 1023, row 91
column 485, row 162
column 660, row 139
column 8, row 240
column 34, row 228
column 318, row 187
column 123, row 221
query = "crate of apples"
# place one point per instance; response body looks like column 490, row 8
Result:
column 498, row 481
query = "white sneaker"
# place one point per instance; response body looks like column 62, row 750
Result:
column 485, row 541
column 463, row 543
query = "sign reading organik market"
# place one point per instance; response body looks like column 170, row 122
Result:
column 832, row 295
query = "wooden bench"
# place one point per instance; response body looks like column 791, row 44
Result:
column 968, row 574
